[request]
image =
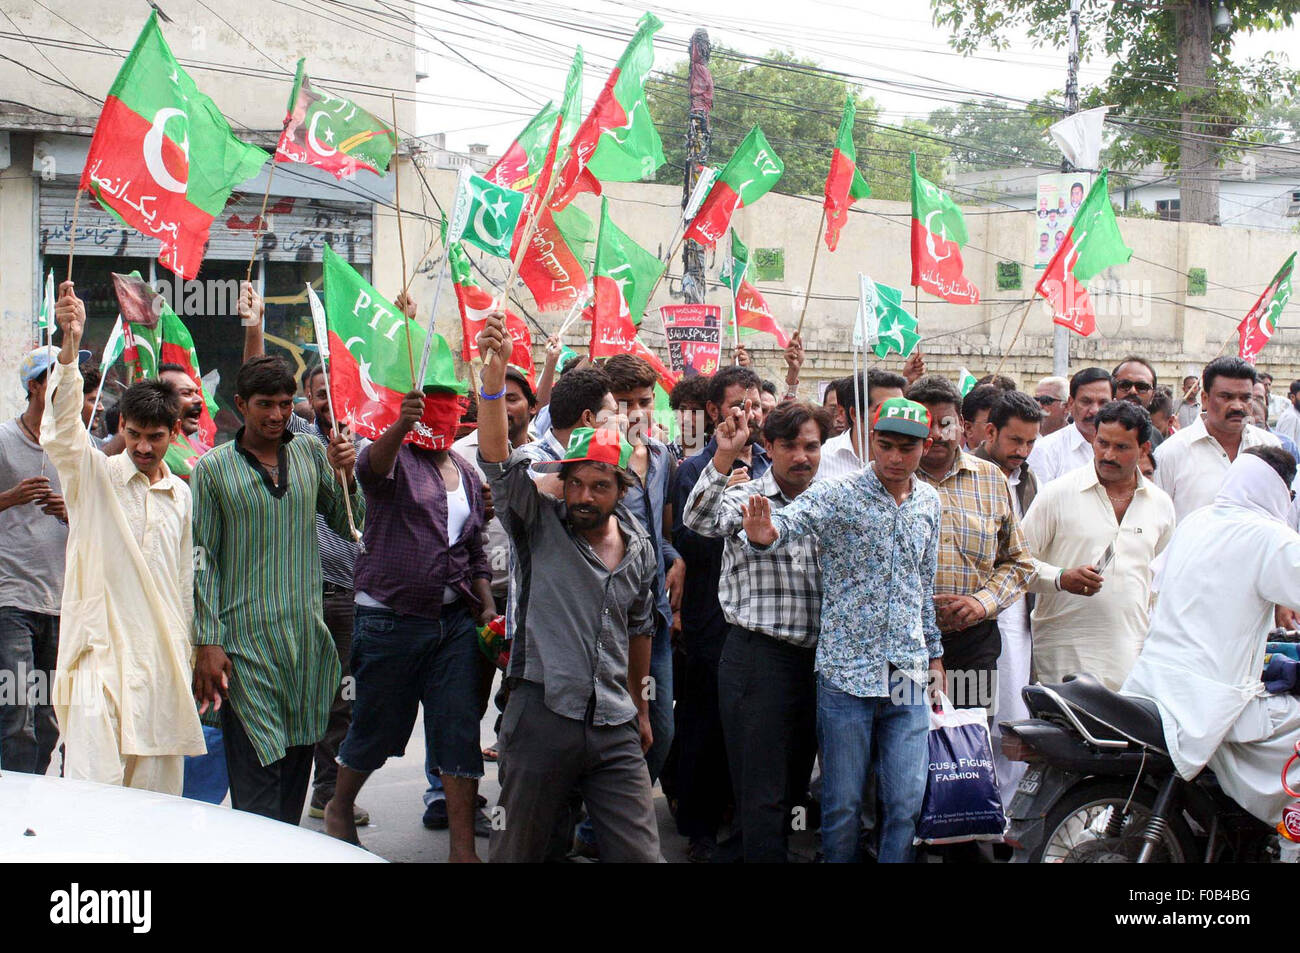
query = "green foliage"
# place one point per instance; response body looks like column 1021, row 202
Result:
column 1141, row 39
column 992, row 135
column 799, row 108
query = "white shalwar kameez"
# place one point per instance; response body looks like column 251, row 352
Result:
column 1226, row 568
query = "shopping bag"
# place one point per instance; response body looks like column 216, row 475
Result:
column 961, row 789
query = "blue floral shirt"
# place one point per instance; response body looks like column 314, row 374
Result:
column 878, row 561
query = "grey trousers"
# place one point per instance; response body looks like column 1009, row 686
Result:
column 543, row 757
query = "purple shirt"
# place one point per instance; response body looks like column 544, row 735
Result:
column 408, row 560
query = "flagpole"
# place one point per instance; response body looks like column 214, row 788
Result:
column 668, row 263
column 261, row 220
column 811, row 268
column 103, row 373
column 433, row 318
column 572, row 316
column 529, row 228
column 72, row 235
column 735, row 309
column 857, row 404
column 1006, row 352
column 401, row 246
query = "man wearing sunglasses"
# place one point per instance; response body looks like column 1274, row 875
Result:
column 1052, row 394
column 1135, row 381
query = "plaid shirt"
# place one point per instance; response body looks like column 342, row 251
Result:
column 982, row 551
column 778, row 591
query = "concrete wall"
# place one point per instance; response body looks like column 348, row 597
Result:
column 1143, row 307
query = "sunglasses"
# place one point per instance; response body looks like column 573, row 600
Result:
column 1142, row 387
column 1044, row 400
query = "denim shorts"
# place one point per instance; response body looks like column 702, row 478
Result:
column 400, row 662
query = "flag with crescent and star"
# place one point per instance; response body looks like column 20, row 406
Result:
column 163, row 158
column 486, row 215
column 332, row 133
column 895, row 328
column 938, row 234
column 370, row 368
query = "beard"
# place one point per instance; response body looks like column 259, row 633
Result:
column 584, row 518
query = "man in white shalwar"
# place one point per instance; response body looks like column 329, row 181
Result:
column 1226, row 568
column 122, row 686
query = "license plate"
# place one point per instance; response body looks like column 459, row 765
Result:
column 1029, row 783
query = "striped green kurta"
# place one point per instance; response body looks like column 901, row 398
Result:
column 257, row 587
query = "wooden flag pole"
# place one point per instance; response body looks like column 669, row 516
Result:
column 261, row 219
column 401, row 246
column 529, row 228
column 72, row 235
column 668, row 263
column 811, row 268
column 1007, row 350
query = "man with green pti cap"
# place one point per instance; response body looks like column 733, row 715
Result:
column 879, row 646
column 582, row 589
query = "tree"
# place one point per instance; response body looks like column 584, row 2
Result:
column 1179, row 97
column 991, row 135
column 799, row 107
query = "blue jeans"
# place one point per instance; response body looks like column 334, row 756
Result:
column 206, row 775
column 846, row 728
column 29, row 648
column 401, row 662
column 661, row 705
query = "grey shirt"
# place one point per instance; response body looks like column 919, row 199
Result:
column 572, row 618
column 32, row 544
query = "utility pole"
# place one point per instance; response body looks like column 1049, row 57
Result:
column 1198, row 185
column 699, row 135
column 1061, row 335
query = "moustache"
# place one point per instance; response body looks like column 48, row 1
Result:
column 1236, row 414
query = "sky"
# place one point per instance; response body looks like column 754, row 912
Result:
column 518, row 53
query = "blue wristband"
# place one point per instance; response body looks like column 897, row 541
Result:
column 497, row 396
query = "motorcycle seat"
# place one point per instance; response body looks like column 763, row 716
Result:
column 1102, row 711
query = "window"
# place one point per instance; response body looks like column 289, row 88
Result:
column 1167, row 210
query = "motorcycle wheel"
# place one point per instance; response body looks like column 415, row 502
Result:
column 1088, row 826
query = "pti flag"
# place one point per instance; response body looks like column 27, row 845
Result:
column 844, row 183
column 475, row 305
column 163, row 158
column 750, row 174
column 370, row 369
column 938, row 233
column 623, row 276
column 617, row 142
column 1258, row 326
column 153, row 335
column 331, row 133
column 520, row 165
column 751, row 310
column 1092, row 245
column 552, row 264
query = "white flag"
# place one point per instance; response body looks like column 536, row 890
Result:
column 866, row 329
column 1079, row 137
column 318, row 322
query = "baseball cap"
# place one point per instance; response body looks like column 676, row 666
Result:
column 38, row 361
column 517, row 375
column 603, row 445
column 900, row 415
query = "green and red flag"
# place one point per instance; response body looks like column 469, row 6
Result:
column 749, row 308
column 475, row 305
column 552, row 266
column 623, row 276
column 163, row 158
column 153, row 335
column 370, row 368
column 844, row 183
column 519, row 165
column 617, row 142
column 1092, row 245
column 938, row 234
column 332, row 133
column 1259, row 324
column 750, row 174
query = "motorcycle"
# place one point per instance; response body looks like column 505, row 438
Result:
column 1101, row 788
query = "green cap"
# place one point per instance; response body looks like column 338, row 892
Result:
column 900, row 415
column 603, row 445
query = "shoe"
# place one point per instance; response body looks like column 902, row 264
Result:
column 435, row 816
column 360, row 816
column 701, row 849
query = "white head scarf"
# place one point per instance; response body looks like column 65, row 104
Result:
column 1253, row 485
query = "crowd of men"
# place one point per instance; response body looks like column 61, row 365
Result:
column 755, row 609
